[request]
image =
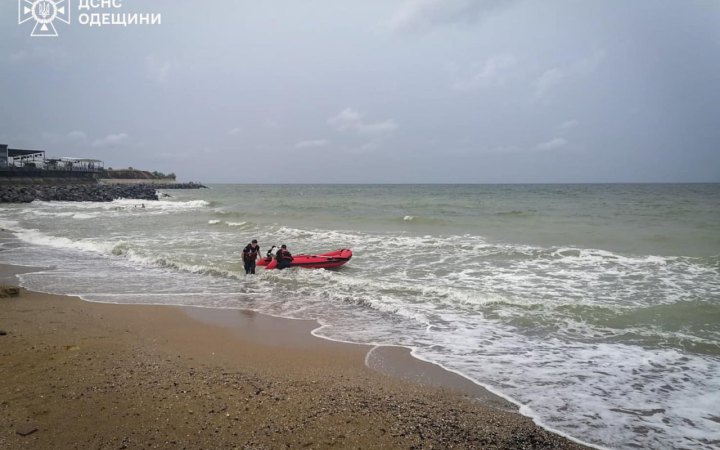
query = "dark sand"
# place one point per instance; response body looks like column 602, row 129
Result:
column 89, row 375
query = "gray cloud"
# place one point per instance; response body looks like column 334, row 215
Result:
column 312, row 143
column 450, row 91
column 568, row 125
column 491, row 73
column 349, row 119
column 78, row 136
column 158, row 70
column 553, row 144
column 556, row 76
column 111, row 140
column 39, row 55
column 421, row 15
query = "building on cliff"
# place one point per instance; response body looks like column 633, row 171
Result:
column 13, row 157
column 19, row 165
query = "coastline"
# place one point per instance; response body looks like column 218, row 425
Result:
column 122, row 376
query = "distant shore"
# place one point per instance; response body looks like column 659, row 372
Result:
column 81, row 374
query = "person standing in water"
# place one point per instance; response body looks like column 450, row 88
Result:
column 283, row 256
column 250, row 254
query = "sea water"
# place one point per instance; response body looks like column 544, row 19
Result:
column 595, row 308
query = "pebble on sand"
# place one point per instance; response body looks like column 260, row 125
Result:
column 26, row 429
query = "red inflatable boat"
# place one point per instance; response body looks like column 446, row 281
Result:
column 324, row 261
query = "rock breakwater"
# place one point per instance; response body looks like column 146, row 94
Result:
column 86, row 192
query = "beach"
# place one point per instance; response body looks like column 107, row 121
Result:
column 588, row 309
column 79, row 374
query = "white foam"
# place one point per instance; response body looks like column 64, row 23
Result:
column 162, row 205
column 36, row 237
column 9, row 225
column 124, row 204
column 81, row 216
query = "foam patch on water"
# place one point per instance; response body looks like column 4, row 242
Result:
column 36, row 237
column 9, row 225
column 83, row 216
column 244, row 225
column 123, row 204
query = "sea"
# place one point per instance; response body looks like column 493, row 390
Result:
column 594, row 308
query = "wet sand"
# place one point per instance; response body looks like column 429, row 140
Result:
column 90, row 375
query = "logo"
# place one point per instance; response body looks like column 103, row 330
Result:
column 44, row 12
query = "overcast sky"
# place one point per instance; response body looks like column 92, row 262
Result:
column 484, row 91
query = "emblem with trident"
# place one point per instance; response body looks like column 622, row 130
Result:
column 44, row 9
column 44, row 12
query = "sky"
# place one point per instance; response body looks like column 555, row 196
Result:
column 376, row 91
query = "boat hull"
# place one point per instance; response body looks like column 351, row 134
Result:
column 328, row 260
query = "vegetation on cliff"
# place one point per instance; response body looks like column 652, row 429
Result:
column 135, row 174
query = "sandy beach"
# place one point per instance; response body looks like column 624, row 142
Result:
column 87, row 375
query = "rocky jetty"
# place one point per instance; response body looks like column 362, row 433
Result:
column 86, row 192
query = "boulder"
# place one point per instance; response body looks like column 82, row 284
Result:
column 9, row 291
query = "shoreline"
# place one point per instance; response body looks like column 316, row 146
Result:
column 401, row 393
column 395, row 361
column 392, row 360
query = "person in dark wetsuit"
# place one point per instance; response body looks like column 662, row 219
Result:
column 283, row 256
column 250, row 254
